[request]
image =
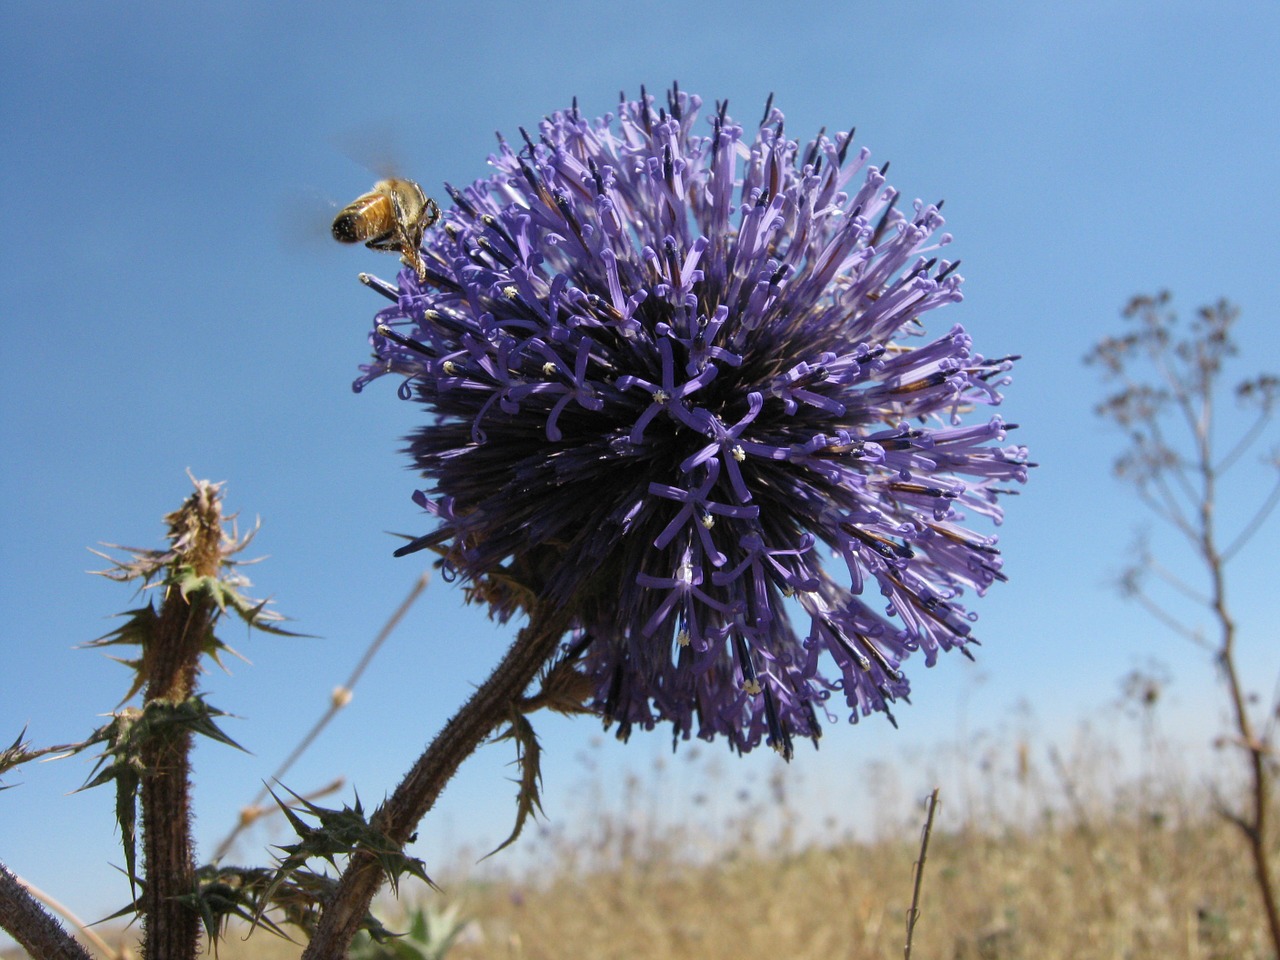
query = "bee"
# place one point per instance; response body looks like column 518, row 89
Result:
column 392, row 216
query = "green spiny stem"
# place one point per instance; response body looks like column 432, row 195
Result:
column 172, row 929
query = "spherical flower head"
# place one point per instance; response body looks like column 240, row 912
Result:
column 682, row 388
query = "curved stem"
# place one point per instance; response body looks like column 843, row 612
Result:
column 399, row 815
column 38, row 933
column 82, row 928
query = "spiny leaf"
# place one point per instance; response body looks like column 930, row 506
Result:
column 14, row 755
column 341, row 833
column 224, row 892
column 122, row 762
column 302, row 897
column 130, row 728
column 139, row 628
column 221, row 894
column 127, row 784
column 125, row 768
column 192, row 714
column 143, row 564
column 222, row 591
column 562, row 688
column 529, row 760
column 338, row 833
column 19, row 752
column 260, row 618
column 123, row 750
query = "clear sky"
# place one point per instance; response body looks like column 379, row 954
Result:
column 171, row 301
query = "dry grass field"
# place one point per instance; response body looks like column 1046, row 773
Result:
column 1118, row 882
column 1061, row 859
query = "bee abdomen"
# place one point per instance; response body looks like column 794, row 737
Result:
column 346, row 227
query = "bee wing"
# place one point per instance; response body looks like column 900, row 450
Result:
column 305, row 218
column 375, row 145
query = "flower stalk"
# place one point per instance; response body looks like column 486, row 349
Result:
column 398, row 817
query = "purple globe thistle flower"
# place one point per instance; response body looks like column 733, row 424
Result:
column 681, row 389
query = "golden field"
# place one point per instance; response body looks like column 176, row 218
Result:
column 1034, row 857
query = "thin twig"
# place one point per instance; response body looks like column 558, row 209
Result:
column 913, row 914
column 1159, row 613
column 1255, row 523
column 1175, row 582
column 1245, row 442
column 340, row 698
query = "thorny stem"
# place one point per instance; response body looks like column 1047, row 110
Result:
column 399, row 815
column 172, row 928
column 31, row 925
column 85, row 930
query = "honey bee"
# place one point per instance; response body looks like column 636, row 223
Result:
column 392, row 216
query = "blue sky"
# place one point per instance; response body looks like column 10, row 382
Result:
column 171, row 301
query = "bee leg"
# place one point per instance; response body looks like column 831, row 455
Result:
column 408, row 244
column 430, row 213
column 413, row 236
column 410, row 255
